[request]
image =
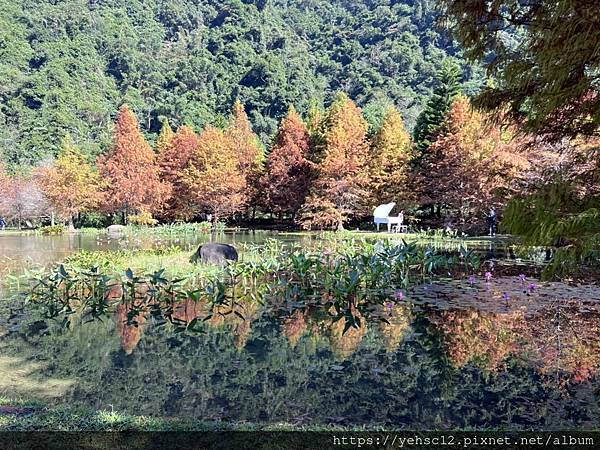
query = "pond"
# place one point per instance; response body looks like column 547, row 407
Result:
column 25, row 251
column 503, row 352
column 19, row 251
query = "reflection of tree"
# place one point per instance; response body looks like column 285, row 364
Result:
column 205, row 375
column 238, row 320
column 345, row 344
column 295, row 326
column 479, row 336
column 399, row 323
column 130, row 329
column 568, row 342
column 187, row 310
column 555, row 339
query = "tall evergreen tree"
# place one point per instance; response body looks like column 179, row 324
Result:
column 438, row 105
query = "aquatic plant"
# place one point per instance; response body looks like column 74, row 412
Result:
column 346, row 284
column 53, row 230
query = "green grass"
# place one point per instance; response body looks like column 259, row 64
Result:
column 42, row 231
column 35, row 416
column 409, row 237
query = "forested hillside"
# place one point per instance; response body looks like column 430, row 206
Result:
column 68, row 65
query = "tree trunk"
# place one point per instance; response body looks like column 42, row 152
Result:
column 71, row 224
column 52, row 218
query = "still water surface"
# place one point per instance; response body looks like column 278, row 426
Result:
column 454, row 354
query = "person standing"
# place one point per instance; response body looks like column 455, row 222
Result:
column 492, row 222
column 2, row 224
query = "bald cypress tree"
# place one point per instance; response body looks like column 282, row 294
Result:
column 130, row 170
column 288, row 170
column 340, row 188
column 172, row 161
column 165, row 137
column 391, row 153
column 250, row 153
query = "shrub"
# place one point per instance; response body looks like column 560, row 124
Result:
column 143, row 218
column 53, row 230
column 204, row 227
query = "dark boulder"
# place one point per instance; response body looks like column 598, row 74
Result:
column 214, row 253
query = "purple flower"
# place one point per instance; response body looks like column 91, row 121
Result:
column 471, row 280
column 532, row 287
column 522, row 278
column 389, row 306
column 398, row 295
column 505, row 296
column 488, row 276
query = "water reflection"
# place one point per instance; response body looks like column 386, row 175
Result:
column 469, row 363
column 25, row 251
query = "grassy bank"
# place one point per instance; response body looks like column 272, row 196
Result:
column 21, row 415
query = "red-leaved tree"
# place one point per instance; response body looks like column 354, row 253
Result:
column 287, row 178
column 130, row 170
column 174, row 158
column 471, row 166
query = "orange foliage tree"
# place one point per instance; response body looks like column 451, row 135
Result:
column 130, row 170
column 287, row 176
column 174, row 158
column 70, row 184
column 340, row 187
column 471, row 166
column 165, row 137
column 249, row 151
column 212, row 179
column 391, row 154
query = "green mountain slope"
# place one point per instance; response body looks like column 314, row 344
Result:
column 67, row 65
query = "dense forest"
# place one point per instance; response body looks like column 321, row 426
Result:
column 68, row 65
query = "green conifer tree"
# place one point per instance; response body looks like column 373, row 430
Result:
column 434, row 113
